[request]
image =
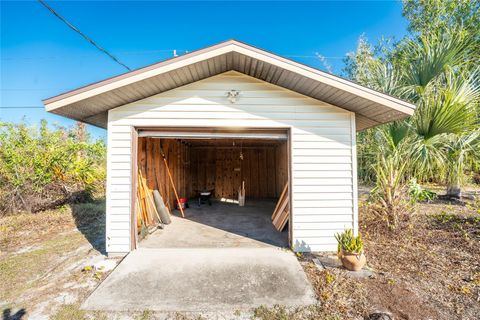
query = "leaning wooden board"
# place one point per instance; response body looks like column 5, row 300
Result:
column 282, row 210
column 275, row 211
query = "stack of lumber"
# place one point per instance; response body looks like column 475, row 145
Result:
column 282, row 210
column 147, row 214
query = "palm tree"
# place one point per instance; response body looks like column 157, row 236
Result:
column 436, row 74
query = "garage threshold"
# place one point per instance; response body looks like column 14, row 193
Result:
column 211, row 280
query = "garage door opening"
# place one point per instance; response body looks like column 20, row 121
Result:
column 209, row 168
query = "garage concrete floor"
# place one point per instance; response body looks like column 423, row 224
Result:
column 222, row 225
column 211, row 280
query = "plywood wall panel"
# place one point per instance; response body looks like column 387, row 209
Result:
column 271, row 174
column 223, row 170
column 237, row 173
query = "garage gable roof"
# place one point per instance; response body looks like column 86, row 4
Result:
column 91, row 103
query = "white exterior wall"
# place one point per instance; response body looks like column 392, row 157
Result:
column 323, row 176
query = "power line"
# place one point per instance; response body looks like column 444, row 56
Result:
column 310, row 56
column 22, row 107
column 83, row 35
column 144, row 52
column 88, row 55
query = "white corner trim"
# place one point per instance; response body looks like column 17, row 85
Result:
column 354, row 174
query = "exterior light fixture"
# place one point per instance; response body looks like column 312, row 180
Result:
column 233, row 95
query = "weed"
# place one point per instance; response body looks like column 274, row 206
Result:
column 278, row 312
column 69, row 312
column 418, row 193
column 87, row 268
column 476, row 279
column 465, row 290
column 281, row 312
column 182, row 316
column 146, row 315
column 443, row 217
column 329, row 277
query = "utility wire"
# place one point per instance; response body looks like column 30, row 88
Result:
column 155, row 51
column 22, row 107
column 83, row 35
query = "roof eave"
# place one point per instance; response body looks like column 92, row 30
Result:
column 55, row 104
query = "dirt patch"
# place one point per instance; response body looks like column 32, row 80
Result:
column 386, row 295
column 434, row 260
column 344, row 297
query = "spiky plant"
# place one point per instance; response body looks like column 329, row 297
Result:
column 348, row 242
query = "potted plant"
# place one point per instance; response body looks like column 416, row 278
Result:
column 350, row 250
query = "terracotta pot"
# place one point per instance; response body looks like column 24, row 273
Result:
column 352, row 261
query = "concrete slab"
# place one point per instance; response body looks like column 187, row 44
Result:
column 332, row 262
column 203, row 280
column 222, row 225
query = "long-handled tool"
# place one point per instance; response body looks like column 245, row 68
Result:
column 173, row 184
column 241, row 195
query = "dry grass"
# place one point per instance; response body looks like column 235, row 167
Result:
column 25, row 230
column 435, row 259
column 42, row 256
column 69, row 312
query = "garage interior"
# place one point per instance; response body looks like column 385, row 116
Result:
column 220, row 162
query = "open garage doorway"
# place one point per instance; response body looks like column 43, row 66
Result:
column 210, row 169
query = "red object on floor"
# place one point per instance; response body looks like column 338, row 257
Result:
column 182, row 202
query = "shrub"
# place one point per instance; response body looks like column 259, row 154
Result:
column 42, row 168
column 417, row 193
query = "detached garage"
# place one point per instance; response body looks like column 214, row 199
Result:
column 228, row 117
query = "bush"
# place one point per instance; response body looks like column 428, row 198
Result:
column 418, row 193
column 41, row 168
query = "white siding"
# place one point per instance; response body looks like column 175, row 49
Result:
column 322, row 150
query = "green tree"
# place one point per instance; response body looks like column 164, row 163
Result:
column 427, row 16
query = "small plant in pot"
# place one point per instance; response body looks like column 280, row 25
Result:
column 350, row 250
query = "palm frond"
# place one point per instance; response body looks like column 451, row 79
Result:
column 451, row 109
column 428, row 58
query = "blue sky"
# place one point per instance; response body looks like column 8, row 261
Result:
column 42, row 57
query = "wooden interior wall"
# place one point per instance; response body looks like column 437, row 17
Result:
column 281, row 172
column 152, row 166
column 264, row 170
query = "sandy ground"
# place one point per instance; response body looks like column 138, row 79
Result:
column 46, row 260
